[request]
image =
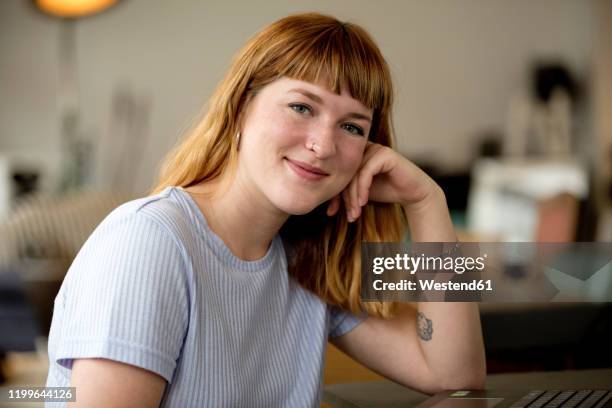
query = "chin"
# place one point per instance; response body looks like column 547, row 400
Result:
column 297, row 206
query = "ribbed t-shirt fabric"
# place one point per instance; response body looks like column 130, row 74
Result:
column 155, row 287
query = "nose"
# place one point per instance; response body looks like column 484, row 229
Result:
column 321, row 142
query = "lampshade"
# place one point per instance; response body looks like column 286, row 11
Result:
column 73, row 8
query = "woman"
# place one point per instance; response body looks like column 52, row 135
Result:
column 223, row 287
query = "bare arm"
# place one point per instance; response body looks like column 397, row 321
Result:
column 392, row 349
column 435, row 347
column 450, row 333
column 111, row 384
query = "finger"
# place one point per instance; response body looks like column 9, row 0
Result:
column 356, row 208
column 377, row 164
column 347, row 203
column 371, row 150
column 334, row 205
column 363, row 189
column 367, row 172
column 366, row 175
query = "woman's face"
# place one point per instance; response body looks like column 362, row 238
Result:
column 301, row 144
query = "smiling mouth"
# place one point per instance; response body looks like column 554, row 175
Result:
column 305, row 173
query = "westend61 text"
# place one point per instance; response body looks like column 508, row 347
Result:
column 404, row 284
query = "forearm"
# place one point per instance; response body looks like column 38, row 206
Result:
column 454, row 350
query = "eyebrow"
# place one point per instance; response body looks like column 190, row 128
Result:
column 318, row 100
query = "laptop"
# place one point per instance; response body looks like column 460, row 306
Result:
column 520, row 399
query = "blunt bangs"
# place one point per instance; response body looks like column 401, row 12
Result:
column 343, row 54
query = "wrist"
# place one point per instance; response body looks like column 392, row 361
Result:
column 433, row 197
column 429, row 219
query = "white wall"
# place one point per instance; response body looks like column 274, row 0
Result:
column 29, row 127
column 455, row 65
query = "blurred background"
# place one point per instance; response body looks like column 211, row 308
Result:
column 506, row 104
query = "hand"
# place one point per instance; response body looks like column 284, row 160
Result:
column 384, row 176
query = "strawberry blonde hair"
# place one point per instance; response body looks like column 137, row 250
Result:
column 326, row 251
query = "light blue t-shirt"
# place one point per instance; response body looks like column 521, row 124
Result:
column 154, row 287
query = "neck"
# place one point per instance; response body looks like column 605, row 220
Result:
column 244, row 220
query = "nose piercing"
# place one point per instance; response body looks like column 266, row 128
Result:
column 312, row 146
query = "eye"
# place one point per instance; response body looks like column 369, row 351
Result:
column 354, row 129
column 300, row 108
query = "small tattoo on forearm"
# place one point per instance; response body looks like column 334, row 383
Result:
column 424, row 327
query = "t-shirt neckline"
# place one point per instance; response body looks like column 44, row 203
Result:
column 217, row 243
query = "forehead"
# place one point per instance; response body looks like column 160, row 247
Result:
column 287, row 85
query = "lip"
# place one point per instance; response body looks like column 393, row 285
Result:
column 305, row 171
column 308, row 167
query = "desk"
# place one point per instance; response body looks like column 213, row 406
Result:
column 386, row 394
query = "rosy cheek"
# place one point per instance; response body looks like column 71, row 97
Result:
column 350, row 164
column 354, row 149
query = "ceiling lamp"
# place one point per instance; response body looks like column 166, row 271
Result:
column 73, row 8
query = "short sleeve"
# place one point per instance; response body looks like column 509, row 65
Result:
column 125, row 298
column 342, row 322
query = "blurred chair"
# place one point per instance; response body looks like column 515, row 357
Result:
column 39, row 241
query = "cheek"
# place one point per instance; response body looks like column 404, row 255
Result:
column 264, row 138
column 352, row 155
column 281, row 130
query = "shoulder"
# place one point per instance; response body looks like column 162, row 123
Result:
column 159, row 212
column 146, row 231
column 138, row 240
